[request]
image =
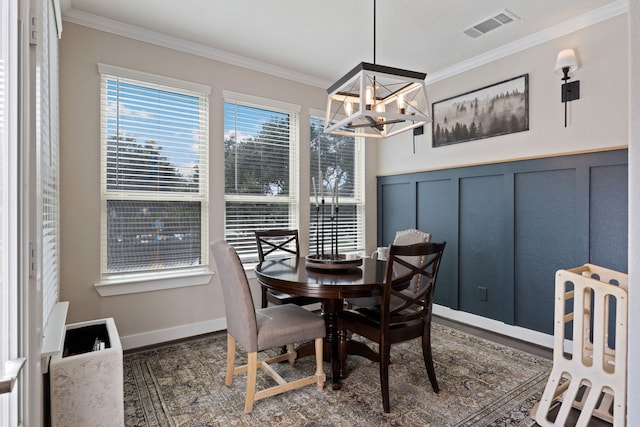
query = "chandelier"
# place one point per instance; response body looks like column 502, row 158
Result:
column 377, row 101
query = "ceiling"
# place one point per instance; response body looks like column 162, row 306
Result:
column 322, row 40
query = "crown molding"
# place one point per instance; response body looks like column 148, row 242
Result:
column 74, row 16
column 148, row 36
column 579, row 22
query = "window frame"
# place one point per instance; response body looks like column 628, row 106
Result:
column 118, row 283
column 249, row 258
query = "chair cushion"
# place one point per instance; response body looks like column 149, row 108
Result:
column 287, row 324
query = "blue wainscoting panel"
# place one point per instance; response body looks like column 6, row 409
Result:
column 398, row 211
column 608, row 238
column 481, row 259
column 436, row 200
column 509, row 227
column 545, row 231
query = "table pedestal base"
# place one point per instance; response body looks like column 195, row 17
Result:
column 331, row 309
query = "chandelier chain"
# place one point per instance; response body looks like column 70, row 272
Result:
column 374, row 31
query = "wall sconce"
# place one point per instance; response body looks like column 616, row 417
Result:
column 565, row 64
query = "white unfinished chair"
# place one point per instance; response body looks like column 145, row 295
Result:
column 265, row 328
column 594, row 378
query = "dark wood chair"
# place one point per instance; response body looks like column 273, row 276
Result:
column 404, row 312
column 274, row 244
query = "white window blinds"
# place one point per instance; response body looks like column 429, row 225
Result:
column 260, row 171
column 49, row 162
column 338, row 159
column 154, row 172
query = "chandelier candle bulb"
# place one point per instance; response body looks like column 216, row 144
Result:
column 348, row 108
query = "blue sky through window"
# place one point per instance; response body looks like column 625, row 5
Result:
column 170, row 119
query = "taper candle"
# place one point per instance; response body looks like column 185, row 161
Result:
column 315, row 194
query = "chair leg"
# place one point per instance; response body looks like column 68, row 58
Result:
column 320, row 376
column 428, row 358
column 264, row 297
column 231, row 357
column 385, row 350
column 291, row 352
column 342, row 354
column 252, row 373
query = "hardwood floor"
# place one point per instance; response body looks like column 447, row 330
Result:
column 501, row 339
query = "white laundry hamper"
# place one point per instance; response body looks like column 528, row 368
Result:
column 592, row 378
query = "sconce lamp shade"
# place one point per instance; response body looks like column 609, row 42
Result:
column 377, row 101
column 566, row 59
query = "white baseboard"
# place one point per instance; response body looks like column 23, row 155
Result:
column 528, row 335
column 172, row 334
column 179, row 332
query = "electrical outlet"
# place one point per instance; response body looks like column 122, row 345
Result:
column 482, row 293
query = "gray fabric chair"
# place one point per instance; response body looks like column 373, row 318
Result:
column 410, row 237
column 402, row 238
column 265, row 328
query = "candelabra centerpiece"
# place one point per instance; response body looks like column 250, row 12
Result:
column 331, row 260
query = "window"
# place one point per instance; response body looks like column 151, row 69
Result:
column 339, row 160
column 154, row 158
column 260, row 169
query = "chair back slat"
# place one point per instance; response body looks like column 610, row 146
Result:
column 402, row 303
column 277, row 244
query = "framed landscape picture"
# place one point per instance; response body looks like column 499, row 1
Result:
column 498, row 109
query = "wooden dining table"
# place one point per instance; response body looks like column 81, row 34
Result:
column 331, row 286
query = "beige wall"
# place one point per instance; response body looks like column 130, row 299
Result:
column 597, row 120
column 143, row 318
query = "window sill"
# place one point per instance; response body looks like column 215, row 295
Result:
column 131, row 284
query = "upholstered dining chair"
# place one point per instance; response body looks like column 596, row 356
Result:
column 409, row 237
column 273, row 244
column 265, row 328
column 403, row 314
column 402, row 237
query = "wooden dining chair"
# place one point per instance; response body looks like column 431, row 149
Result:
column 265, row 328
column 403, row 314
column 278, row 244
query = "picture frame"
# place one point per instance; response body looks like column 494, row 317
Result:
column 498, row 109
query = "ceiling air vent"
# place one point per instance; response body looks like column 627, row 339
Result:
column 497, row 20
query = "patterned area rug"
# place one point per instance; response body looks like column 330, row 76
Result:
column 481, row 384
